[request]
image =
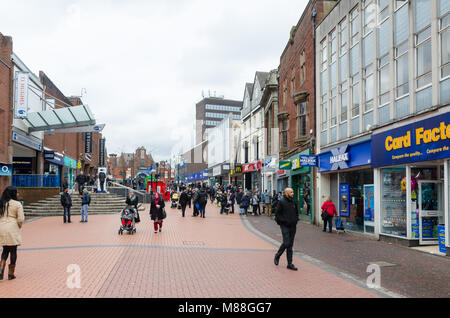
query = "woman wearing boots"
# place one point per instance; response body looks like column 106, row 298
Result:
column 156, row 213
column 11, row 220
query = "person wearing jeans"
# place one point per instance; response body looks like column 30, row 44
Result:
column 330, row 208
column 85, row 201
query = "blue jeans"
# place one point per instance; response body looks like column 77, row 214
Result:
column 84, row 212
column 66, row 214
column 329, row 220
column 201, row 210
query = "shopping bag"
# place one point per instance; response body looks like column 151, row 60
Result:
column 339, row 223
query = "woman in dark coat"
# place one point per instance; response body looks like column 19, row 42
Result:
column 156, row 208
column 184, row 198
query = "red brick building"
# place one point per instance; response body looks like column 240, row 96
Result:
column 296, row 95
column 6, row 104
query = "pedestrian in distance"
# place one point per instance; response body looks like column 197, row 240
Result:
column 202, row 201
column 66, row 202
column 195, row 202
column 232, row 200
column 328, row 211
column 255, row 204
column 222, row 198
column 157, row 214
column 85, row 202
column 80, row 180
column 239, row 196
column 190, row 195
column 268, row 203
column 287, row 218
column 245, row 203
column 11, row 220
column 184, row 198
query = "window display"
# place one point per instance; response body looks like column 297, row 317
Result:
column 393, row 201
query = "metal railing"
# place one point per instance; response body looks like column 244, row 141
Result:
column 36, row 181
column 124, row 191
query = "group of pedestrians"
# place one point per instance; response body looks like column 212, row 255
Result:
column 196, row 197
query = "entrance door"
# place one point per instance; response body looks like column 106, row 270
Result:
column 431, row 211
column 369, row 209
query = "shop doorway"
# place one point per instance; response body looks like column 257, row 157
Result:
column 431, row 210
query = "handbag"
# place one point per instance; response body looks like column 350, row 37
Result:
column 324, row 214
column 163, row 214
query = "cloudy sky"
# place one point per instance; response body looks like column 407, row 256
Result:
column 145, row 63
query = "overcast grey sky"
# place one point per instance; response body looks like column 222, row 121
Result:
column 144, row 63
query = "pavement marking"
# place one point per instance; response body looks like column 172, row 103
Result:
column 146, row 246
column 382, row 264
column 328, row 268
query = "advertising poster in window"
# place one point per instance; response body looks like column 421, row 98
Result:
column 368, row 203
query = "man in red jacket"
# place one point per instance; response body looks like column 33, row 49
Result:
column 330, row 208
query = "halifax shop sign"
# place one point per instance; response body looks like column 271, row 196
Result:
column 424, row 140
column 346, row 157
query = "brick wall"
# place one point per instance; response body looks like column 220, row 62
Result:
column 6, row 91
column 301, row 40
column 32, row 195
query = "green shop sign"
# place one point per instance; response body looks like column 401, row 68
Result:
column 285, row 165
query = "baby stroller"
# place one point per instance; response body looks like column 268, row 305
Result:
column 174, row 200
column 128, row 220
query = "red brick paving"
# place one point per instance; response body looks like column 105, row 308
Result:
column 191, row 258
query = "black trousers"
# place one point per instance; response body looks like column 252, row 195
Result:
column 12, row 251
column 183, row 208
column 288, row 233
column 189, row 203
column 66, row 214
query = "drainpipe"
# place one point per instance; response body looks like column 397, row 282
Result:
column 313, row 190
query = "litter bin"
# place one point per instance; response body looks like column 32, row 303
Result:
column 441, row 236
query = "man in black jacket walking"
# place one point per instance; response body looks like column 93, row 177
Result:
column 287, row 218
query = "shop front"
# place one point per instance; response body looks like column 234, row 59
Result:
column 269, row 174
column 283, row 178
column 347, row 177
column 252, row 175
column 54, row 164
column 412, row 180
column 236, row 175
column 302, row 184
column 69, row 171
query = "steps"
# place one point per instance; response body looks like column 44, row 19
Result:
column 101, row 203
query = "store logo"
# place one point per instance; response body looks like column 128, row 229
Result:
column 339, row 158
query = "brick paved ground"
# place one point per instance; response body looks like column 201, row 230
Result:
column 416, row 274
column 213, row 257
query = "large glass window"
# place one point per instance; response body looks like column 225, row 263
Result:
column 355, row 96
column 369, row 16
column 423, row 42
column 343, row 37
column 368, row 88
column 384, row 83
column 393, row 201
column 354, row 23
column 301, row 119
column 344, row 102
column 401, row 30
column 383, row 9
column 333, row 46
column 324, row 111
column 445, row 38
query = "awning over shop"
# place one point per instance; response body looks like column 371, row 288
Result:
column 66, row 117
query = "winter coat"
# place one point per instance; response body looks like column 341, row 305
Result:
column 255, row 200
column 202, row 198
column 330, row 208
column 86, row 199
column 232, row 198
column 267, row 198
column 239, row 196
column 287, row 212
column 156, row 213
column 66, row 200
column 184, row 198
column 245, row 202
column 11, row 223
column 132, row 202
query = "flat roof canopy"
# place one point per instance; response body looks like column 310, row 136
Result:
column 67, row 117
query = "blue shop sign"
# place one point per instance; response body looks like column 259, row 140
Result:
column 5, row 170
column 424, row 140
column 308, row 161
column 54, row 157
column 346, row 157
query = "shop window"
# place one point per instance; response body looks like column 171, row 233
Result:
column 301, row 119
column 393, row 201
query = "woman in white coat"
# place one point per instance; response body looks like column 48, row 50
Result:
column 11, row 220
